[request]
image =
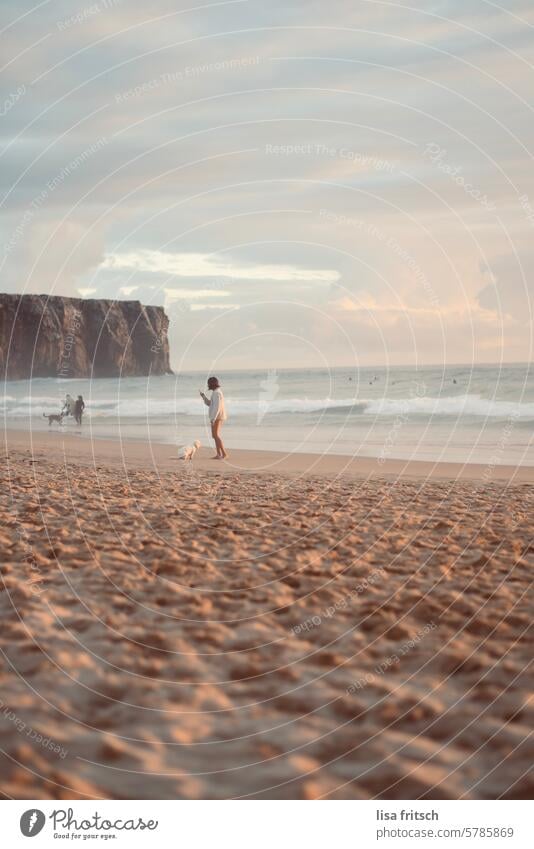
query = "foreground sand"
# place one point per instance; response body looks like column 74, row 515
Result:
column 177, row 632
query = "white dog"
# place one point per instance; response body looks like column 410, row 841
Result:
column 189, row 451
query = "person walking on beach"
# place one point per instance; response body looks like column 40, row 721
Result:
column 217, row 414
column 79, row 407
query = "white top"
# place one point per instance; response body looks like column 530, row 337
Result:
column 216, row 404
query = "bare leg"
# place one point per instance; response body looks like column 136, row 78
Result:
column 215, row 435
column 215, row 432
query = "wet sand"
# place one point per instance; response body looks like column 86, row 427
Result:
column 160, row 457
column 274, row 627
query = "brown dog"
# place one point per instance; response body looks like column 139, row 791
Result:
column 53, row 417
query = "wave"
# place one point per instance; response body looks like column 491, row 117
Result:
column 148, row 407
column 457, row 406
column 461, row 406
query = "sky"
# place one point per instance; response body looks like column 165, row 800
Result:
column 298, row 184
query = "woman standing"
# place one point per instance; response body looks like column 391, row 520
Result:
column 217, row 414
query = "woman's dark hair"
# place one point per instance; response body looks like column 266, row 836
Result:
column 213, row 383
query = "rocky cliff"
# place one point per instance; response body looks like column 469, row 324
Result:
column 42, row 336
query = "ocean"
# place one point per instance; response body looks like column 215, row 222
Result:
column 466, row 414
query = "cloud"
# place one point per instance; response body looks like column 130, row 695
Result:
column 203, row 265
column 189, row 294
column 509, row 291
column 371, row 306
column 199, row 307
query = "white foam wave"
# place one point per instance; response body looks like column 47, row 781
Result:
column 459, row 405
column 147, row 408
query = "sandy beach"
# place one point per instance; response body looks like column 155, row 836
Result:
column 273, row 627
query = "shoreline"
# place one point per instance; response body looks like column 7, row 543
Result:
column 161, row 456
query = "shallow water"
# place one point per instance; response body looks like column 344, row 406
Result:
column 464, row 414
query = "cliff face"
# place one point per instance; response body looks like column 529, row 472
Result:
column 43, row 336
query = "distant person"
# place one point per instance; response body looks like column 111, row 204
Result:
column 68, row 406
column 79, row 407
column 217, row 414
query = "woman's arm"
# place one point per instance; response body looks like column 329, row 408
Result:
column 206, row 400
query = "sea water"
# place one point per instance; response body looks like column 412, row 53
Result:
column 466, row 414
